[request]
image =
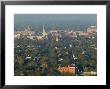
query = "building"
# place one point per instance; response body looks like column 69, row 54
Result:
column 44, row 32
column 43, row 36
column 91, row 73
column 68, row 69
column 92, row 29
column 84, row 34
column 17, row 35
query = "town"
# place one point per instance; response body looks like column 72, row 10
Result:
column 55, row 52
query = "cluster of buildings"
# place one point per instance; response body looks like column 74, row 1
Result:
column 27, row 32
column 74, row 34
column 31, row 34
column 55, row 33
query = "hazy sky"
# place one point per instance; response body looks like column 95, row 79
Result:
column 56, row 20
column 54, row 17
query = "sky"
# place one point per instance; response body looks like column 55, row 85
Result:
column 55, row 19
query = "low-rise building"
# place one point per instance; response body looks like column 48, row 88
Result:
column 68, row 69
column 92, row 29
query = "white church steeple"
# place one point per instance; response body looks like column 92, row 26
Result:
column 43, row 30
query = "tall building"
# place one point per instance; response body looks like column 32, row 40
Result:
column 43, row 36
column 44, row 31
